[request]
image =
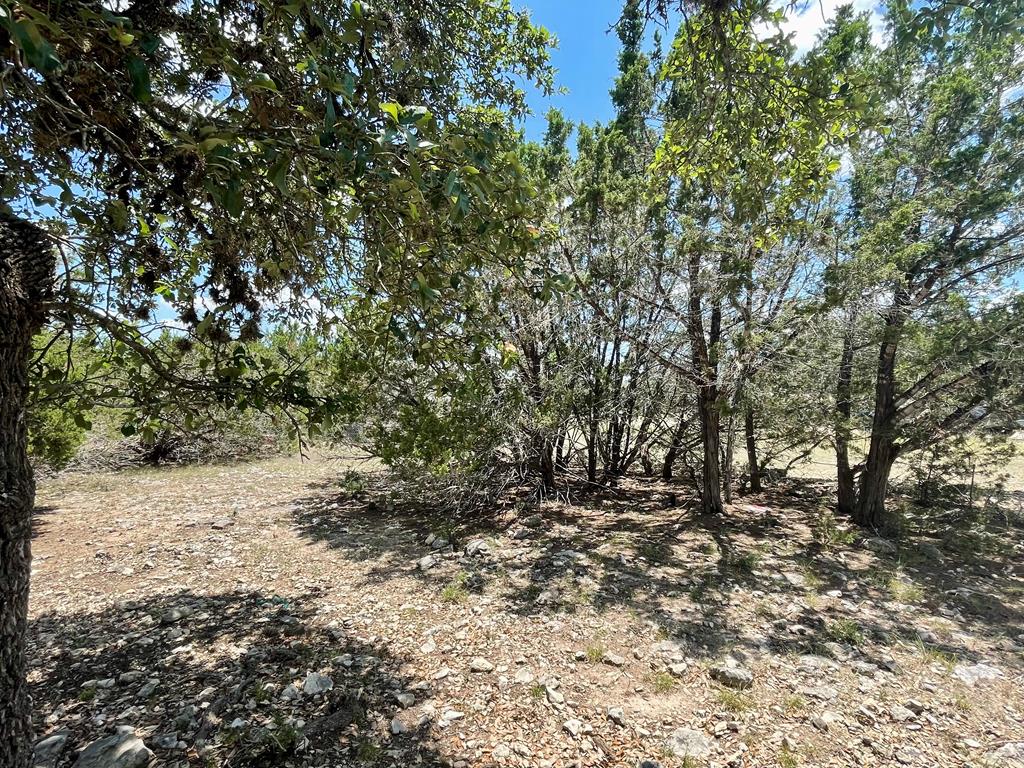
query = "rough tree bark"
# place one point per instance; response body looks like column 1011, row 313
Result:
column 26, row 279
column 874, row 480
column 847, row 496
column 676, row 444
column 752, row 466
column 727, row 460
column 711, row 477
column 706, row 372
column 545, row 463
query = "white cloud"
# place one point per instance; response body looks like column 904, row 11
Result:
column 809, row 17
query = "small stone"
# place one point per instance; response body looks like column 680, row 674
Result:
column 880, row 546
column 175, row 614
column 614, row 659
column 900, row 713
column 616, row 715
column 573, row 727
column 688, row 742
column 824, row 721
column 554, row 695
column 48, row 751
column 1010, row 755
column 480, row 665
column 974, row 673
column 291, row 693
column 820, row 692
column 316, row 683
column 405, row 699
column 477, row 548
column 398, row 727
column 909, row 755
column 426, row 562
column 449, row 716
column 165, row 741
column 238, row 724
column 732, row 675
column 123, row 750
column 148, row 689
column 131, row 676
column 524, row 675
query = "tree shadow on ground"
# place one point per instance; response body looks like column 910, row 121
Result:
column 204, row 679
column 41, row 520
column 634, row 549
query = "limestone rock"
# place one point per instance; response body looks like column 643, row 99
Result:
column 123, row 750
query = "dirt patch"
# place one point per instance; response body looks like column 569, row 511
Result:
column 274, row 614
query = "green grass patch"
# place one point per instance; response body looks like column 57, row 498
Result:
column 794, row 704
column 903, row 591
column 828, row 533
column 654, row 551
column 663, row 682
column 747, row 562
column 455, row 590
column 846, row 631
column 734, row 701
column 936, row 655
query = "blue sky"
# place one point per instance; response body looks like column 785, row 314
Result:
column 586, row 59
column 587, row 53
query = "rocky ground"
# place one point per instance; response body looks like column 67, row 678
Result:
column 282, row 614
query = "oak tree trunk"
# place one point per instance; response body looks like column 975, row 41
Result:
column 26, row 277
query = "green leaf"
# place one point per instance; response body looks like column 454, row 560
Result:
column 26, row 36
column 208, row 145
column 264, row 82
column 139, row 74
column 278, row 174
